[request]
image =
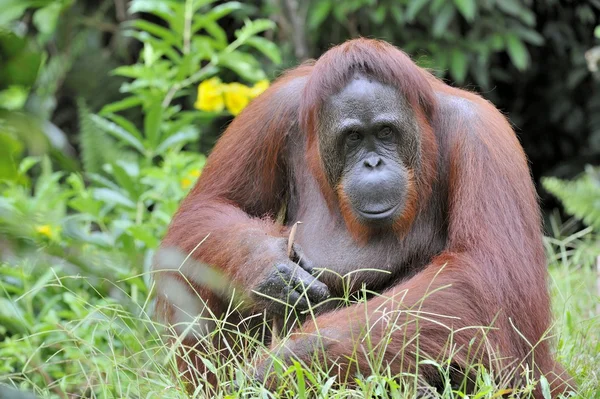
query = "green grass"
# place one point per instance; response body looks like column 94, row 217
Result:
column 68, row 335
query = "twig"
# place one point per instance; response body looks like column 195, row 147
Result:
column 187, row 32
column 121, row 10
column 291, row 239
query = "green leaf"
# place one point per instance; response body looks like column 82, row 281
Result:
column 13, row 10
column 223, row 10
column 253, row 28
column 160, row 8
column 467, row 8
column 144, row 235
column 96, row 148
column 529, row 35
column 9, row 148
column 517, row 10
column 14, row 97
column 268, row 48
column 178, row 139
column 126, row 174
column 126, row 124
column 155, row 30
column 217, row 32
column 545, row 385
column 414, row 7
column 441, row 22
column 22, row 68
column 458, row 65
column 112, row 197
column 118, row 132
column 378, row 16
column 46, row 18
column 597, row 32
column 152, row 121
column 517, row 51
column 319, row 13
column 245, row 65
column 121, row 105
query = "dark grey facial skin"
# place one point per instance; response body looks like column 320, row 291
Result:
column 368, row 140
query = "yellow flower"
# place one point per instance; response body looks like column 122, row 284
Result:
column 45, row 230
column 189, row 179
column 185, row 183
column 210, row 96
column 258, row 88
column 237, row 96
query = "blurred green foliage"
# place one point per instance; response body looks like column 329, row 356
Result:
column 450, row 36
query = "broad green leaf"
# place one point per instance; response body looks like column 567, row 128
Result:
column 517, row 51
column 131, row 71
column 517, row 10
column 9, row 148
column 112, row 197
column 216, row 32
column 23, row 67
column 245, row 65
column 126, row 124
column 180, row 138
column 156, row 30
column 143, row 234
column 45, row 18
column 158, row 45
column 458, row 65
column 443, row 19
column 319, row 13
column 252, row 28
column 597, row 32
column 14, row 97
column 117, row 106
column 414, row 7
column 118, row 132
column 13, row 10
column 202, row 47
column 378, row 16
column 268, row 48
column 161, row 8
column 397, row 13
column 152, row 121
column 529, row 35
column 127, row 178
column 222, row 10
column 545, row 385
column 436, row 6
column 467, row 8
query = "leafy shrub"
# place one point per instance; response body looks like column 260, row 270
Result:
column 105, row 221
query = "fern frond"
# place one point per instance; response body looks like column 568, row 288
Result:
column 97, row 147
column 580, row 197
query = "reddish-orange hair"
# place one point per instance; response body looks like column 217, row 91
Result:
column 390, row 66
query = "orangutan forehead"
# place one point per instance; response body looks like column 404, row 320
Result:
column 366, row 97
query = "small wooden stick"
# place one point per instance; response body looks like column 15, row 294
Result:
column 292, row 237
column 290, row 253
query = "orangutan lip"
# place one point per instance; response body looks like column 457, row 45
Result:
column 376, row 215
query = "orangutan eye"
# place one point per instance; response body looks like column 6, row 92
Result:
column 385, row 133
column 353, row 138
